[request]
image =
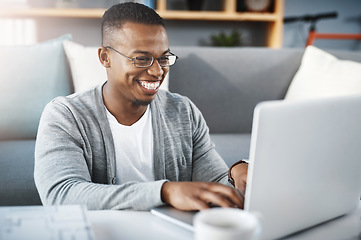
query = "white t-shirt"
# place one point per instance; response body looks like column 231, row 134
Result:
column 133, row 149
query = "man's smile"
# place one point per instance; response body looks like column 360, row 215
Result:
column 149, row 85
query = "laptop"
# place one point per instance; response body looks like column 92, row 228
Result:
column 305, row 164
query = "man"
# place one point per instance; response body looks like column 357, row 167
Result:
column 126, row 144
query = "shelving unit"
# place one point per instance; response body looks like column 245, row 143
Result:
column 229, row 13
column 274, row 20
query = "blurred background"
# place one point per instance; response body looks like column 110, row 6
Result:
column 182, row 32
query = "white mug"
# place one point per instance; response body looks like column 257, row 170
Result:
column 226, row 224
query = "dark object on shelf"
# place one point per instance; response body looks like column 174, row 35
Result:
column 241, row 6
column 195, row 5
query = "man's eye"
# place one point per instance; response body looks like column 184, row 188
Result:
column 144, row 59
column 164, row 59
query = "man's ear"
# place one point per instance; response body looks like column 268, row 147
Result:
column 103, row 55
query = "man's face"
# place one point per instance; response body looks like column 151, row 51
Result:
column 133, row 84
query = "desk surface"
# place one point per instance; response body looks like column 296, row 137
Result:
column 109, row 225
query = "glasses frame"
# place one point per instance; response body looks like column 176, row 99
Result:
column 151, row 63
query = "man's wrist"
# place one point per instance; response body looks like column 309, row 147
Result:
column 164, row 193
column 230, row 178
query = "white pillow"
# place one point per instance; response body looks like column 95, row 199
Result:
column 86, row 68
column 323, row 75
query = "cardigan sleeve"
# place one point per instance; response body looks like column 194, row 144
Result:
column 72, row 164
column 208, row 165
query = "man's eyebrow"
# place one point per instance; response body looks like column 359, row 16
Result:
column 148, row 53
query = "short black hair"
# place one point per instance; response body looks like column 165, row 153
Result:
column 122, row 13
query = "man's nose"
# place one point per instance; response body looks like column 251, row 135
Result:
column 155, row 69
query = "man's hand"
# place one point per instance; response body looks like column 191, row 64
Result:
column 239, row 175
column 198, row 195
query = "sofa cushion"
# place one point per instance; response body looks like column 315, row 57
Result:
column 323, row 75
column 232, row 147
column 17, row 167
column 30, row 77
column 227, row 83
column 86, row 68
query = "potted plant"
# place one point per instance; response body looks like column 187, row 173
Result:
column 227, row 40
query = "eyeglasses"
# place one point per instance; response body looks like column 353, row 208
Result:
column 147, row 61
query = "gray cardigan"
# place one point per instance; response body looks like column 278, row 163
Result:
column 75, row 157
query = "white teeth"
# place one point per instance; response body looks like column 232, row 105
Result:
column 150, row 86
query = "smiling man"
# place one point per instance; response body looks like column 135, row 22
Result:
column 126, row 144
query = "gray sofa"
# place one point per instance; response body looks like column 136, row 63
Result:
column 225, row 83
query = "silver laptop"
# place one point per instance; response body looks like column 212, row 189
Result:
column 305, row 163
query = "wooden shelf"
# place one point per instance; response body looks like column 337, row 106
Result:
column 214, row 15
column 228, row 13
column 169, row 14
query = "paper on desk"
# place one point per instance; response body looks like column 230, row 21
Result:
column 44, row 223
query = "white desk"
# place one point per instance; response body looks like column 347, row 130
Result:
column 115, row 225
